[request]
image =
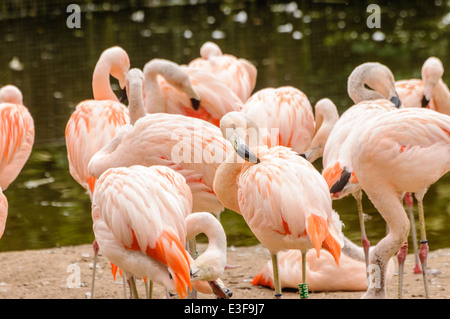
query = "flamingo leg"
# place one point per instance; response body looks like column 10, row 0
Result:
column 96, row 249
column 409, row 206
column 423, row 251
column 303, row 287
column 364, row 241
column 276, row 277
column 401, row 257
column 132, row 283
column 192, row 249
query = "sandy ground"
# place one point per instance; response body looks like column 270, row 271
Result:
column 52, row 273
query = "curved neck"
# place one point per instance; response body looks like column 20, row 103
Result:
column 154, row 98
column 101, row 86
column 106, row 157
column 206, row 223
column 225, row 182
column 358, row 92
column 155, row 101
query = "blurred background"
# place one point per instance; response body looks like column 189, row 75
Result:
column 311, row 45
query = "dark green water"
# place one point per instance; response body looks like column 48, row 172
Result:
column 312, row 46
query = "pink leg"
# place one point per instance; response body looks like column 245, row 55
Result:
column 401, row 257
column 409, row 201
column 96, row 249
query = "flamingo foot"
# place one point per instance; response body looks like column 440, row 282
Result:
column 417, row 269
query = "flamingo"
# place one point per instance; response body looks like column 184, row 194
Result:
column 190, row 146
column 171, row 88
column 282, row 197
column 16, row 142
column 322, row 273
column 388, row 159
column 430, row 92
column 236, row 73
column 141, row 220
column 95, row 122
column 337, row 166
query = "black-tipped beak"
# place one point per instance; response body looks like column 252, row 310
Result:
column 302, row 155
column 123, row 95
column 396, row 101
column 195, row 104
column 340, row 184
column 244, row 152
column 220, row 291
column 425, row 101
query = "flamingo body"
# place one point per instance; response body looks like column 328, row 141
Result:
column 141, row 210
column 91, row 126
column 322, row 272
column 236, row 73
column 284, row 210
column 284, row 116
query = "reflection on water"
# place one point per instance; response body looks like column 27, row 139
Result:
column 310, row 46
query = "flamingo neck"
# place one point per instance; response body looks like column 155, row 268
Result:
column 209, row 265
column 154, row 97
column 101, row 86
column 441, row 97
column 225, row 182
column 107, row 157
column 136, row 102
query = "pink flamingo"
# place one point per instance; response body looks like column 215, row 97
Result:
column 95, row 122
column 190, row 146
column 141, row 220
column 396, row 143
column 281, row 196
column 337, row 166
column 236, row 73
column 284, row 116
column 16, row 142
column 430, row 92
column 322, row 272
column 171, row 88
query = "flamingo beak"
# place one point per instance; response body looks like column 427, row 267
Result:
column 243, row 151
column 195, row 104
column 396, row 101
column 220, row 290
column 425, row 101
column 123, row 95
column 340, row 184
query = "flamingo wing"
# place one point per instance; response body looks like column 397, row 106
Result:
column 145, row 209
column 16, row 141
column 90, row 127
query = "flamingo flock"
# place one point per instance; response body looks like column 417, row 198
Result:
column 182, row 143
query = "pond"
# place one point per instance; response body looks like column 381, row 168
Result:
column 310, row 45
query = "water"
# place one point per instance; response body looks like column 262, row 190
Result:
column 310, row 46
